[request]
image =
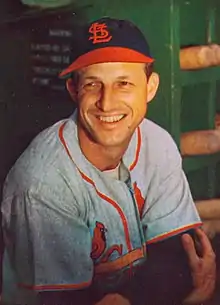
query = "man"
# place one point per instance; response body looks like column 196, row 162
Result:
column 98, row 210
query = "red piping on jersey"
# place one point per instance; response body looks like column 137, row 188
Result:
column 63, row 140
column 173, row 232
column 138, row 148
column 56, row 287
column 103, row 196
column 116, row 206
column 121, row 262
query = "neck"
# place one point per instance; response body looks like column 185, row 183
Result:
column 101, row 157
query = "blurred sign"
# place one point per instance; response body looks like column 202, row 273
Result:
column 49, row 55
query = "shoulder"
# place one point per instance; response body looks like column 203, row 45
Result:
column 44, row 162
column 159, row 144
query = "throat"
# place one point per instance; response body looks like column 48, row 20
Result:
column 102, row 158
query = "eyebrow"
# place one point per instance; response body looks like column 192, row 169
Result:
column 123, row 77
column 91, row 78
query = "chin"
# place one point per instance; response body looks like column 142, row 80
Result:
column 112, row 142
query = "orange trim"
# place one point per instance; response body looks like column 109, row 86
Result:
column 106, row 54
column 138, row 148
column 56, row 287
column 103, row 196
column 62, row 139
column 173, row 232
column 120, row 263
column 116, row 206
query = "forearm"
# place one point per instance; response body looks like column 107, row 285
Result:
column 165, row 278
column 208, row 209
column 75, row 298
column 211, row 227
column 65, row 298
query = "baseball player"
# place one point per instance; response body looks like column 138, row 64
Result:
column 97, row 204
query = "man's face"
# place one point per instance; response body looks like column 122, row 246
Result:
column 112, row 101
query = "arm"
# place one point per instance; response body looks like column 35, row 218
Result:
column 52, row 244
column 151, row 278
column 64, row 297
column 180, row 275
column 211, row 228
column 209, row 209
column 165, row 277
column 170, row 209
column 80, row 298
column 48, row 242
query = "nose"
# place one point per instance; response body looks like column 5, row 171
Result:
column 105, row 100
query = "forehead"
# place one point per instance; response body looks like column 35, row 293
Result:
column 113, row 69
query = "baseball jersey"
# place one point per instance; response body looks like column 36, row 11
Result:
column 67, row 224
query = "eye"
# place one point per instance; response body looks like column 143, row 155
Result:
column 124, row 84
column 92, row 86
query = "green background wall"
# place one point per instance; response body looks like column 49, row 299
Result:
column 185, row 101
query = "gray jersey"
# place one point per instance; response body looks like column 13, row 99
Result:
column 67, row 224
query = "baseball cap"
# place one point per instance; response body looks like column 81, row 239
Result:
column 109, row 40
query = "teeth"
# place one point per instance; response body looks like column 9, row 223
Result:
column 111, row 119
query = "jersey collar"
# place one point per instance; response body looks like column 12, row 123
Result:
column 69, row 138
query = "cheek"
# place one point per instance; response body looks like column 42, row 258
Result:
column 138, row 102
column 140, row 111
column 87, row 99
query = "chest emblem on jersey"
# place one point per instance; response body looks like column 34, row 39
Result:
column 99, row 240
column 99, row 244
column 139, row 198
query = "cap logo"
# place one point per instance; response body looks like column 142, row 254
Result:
column 99, row 33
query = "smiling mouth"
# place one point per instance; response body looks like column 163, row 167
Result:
column 111, row 119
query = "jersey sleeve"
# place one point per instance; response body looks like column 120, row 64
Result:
column 49, row 243
column 169, row 209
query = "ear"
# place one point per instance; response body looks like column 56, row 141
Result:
column 152, row 86
column 71, row 89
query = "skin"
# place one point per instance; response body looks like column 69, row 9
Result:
column 109, row 90
column 209, row 211
column 203, row 272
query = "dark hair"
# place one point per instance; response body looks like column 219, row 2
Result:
column 149, row 67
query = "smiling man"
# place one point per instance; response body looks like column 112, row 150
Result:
column 97, row 210
column 113, row 101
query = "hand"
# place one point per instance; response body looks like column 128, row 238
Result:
column 203, row 268
column 113, row 299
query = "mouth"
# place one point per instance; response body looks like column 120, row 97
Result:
column 111, row 119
